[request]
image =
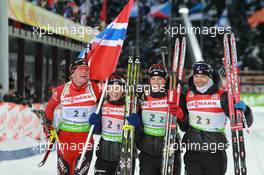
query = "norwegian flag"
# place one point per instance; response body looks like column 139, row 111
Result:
column 106, row 46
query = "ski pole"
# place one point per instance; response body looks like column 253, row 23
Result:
column 92, row 126
column 50, row 146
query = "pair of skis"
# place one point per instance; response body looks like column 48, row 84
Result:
column 236, row 116
column 127, row 150
column 173, row 97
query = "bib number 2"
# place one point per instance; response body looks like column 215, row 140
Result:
column 78, row 114
column 154, row 118
column 205, row 121
column 110, row 125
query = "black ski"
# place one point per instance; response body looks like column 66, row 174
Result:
column 127, row 151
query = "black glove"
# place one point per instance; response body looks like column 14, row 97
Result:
column 134, row 119
column 95, row 119
column 45, row 122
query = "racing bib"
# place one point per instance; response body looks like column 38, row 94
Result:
column 154, row 122
column 205, row 121
column 112, row 129
column 76, row 119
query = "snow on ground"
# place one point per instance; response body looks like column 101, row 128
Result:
column 254, row 147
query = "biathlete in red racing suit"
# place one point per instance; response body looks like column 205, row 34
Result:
column 78, row 99
column 205, row 111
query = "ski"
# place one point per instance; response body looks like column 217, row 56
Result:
column 127, row 151
column 236, row 116
column 171, row 127
column 239, row 113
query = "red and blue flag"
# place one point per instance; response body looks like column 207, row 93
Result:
column 107, row 45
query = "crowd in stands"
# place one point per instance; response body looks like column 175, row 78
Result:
column 87, row 12
column 28, row 97
column 75, row 10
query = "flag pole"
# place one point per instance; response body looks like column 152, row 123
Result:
column 87, row 142
column 137, row 29
column 201, row 26
column 169, row 39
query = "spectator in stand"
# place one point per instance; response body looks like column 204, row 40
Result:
column 11, row 83
column 11, row 96
column 52, row 5
column 75, row 10
column 71, row 11
column 29, row 90
column 60, row 7
column 1, row 93
column 84, row 12
column 49, row 91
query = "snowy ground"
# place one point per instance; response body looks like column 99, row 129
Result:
column 254, row 146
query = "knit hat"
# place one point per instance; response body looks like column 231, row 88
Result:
column 157, row 70
column 202, row 67
column 74, row 65
column 117, row 78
